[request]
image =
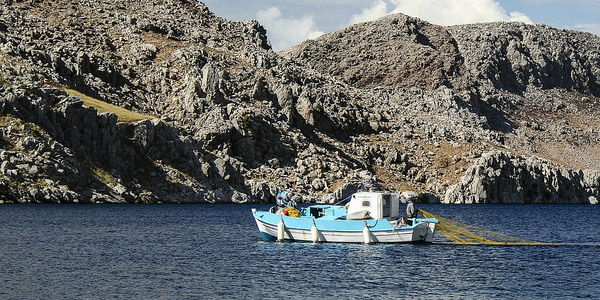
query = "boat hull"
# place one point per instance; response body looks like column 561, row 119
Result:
column 340, row 231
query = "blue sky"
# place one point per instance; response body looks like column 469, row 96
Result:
column 290, row 22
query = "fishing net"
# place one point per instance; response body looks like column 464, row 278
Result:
column 466, row 234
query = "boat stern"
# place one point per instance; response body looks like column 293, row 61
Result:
column 424, row 230
column 430, row 232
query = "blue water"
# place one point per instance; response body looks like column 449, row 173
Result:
column 215, row 252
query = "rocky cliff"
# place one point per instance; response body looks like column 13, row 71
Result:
column 529, row 90
column 499, row 177
column 411, row 105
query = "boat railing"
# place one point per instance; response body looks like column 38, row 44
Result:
column 343, row 200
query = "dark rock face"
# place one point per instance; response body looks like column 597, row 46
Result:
column 87, row 154
column 231, row 108
column 397, row 101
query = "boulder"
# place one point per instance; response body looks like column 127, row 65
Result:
column 501, row 178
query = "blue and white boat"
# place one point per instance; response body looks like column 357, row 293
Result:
column 369, row 217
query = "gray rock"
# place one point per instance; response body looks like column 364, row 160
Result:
column 4, row 167
column 392, row 102
column 500, row 177
column 145, row 51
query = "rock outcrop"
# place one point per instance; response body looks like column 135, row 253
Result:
column 500, row 177
column 66, row 152
column 514, row 56
column 529, row 88
column 394, row 51
column 398, row 102
column 401, row 51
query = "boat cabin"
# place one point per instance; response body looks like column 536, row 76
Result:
column 379, row 205
column 324, row 212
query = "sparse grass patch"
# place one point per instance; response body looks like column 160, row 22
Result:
column 7, row 142
column 246, row 121
column 390, row 180
column 103, row 176
column 41, row 181
column 4, row 81
column 336, row 185
column 4, row 121
column 179, row 177
column 165, row 45
column 124, row 115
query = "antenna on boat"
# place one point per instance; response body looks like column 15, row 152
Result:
column 366, row 185
column 370, row 187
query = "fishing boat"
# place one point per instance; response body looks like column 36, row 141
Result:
column 368, row 217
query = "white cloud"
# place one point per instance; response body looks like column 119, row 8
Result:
column 287, row 32
column 516, row 16
column 284, row 33
column 453, row 12
column 443, row 12
column 592, row 28
column 377, row 10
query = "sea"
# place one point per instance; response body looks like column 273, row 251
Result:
column 216, row 252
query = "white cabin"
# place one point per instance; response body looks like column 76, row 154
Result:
column 380, row 205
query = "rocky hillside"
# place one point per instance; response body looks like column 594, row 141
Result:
column 406, row 104
column 396, row 51
column 534, row 90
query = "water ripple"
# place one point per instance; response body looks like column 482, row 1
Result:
column 215, row 251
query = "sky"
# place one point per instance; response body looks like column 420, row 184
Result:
column 289, row 22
